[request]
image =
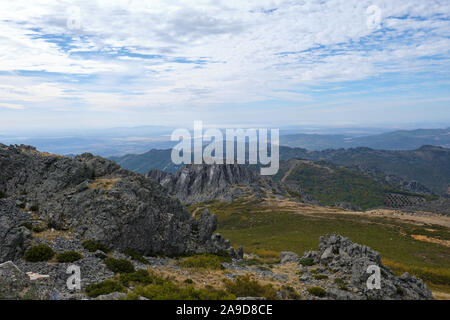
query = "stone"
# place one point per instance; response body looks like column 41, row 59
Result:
column 288, row 257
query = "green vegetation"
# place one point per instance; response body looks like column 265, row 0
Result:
column 27, row 225
column 244, row 286
column 136, row 256
column 320, row 277
column 289, row 292
column 317, row 291
column 39, row 253
column 332, row 185
column 306, row 261
column 142, row 277
column 34, row 208
column 104, row 287
column 2, row 194
column 69, row 256
column 257, row 226
column 204, row 261
column 119, row 265
column 92, row 246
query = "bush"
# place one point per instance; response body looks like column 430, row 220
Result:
column 34, row 208
column 39, row 253
column 307, row 261
column 320, row 277
column 92, row 246
column 140, row 277
column 188, row 281
column 170, row 291
column 119, row 265
column 2, row 194
column 289, row 292
column 317, row 291
column 136, row 256
column 244, row 286
column 69, row 256
column 104, row 287
column 203, row 261
column 27, row 225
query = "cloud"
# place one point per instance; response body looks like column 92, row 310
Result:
column 131, row 54
column 11, row 106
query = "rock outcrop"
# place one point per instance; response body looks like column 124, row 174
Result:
column 202, row 182
column 96, row 199
column 14, row 236
column 351, row 261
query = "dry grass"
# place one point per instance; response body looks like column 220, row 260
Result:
column 431, row 240
column 104, row 184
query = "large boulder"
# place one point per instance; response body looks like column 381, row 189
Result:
column 357, row 263
column 98, row 200
column 14, row 237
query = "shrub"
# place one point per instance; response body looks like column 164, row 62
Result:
column 170, row 291
column 244, row 286
column 92, row 246
column 317, row 291
column 119, row 265
column 289, row 292
column 27, row 225
column 307, row 261
column 69, row 256
column 34, row 208
column 188, row 281
column 320, row 277
column 104, row 287
column 203, row 261
column 39, row 253
column 136, row 256
column 2, row 194
column 39, row 227
column 139, row 277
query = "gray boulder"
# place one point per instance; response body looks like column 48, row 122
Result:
column 14, row 237
column 288, row 257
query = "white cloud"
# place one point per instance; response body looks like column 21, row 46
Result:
column 251, row 50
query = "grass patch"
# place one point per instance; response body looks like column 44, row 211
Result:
column 244, row 286
column 104, row 287
column 136, row 256
column 39, row 253
column 320, row 277
column 204, row 261
column 93, row 246
column 317, row 291
column 439, row 276
column 68, row 256
column 306, row 262
column 277, row 230
column 119, row 265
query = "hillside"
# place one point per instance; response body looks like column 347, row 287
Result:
column 395, row 140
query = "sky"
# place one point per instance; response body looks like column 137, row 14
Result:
column 105, row 63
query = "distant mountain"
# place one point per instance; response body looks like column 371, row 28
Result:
column 427, row 165
column 396, row 140
column 143, row 163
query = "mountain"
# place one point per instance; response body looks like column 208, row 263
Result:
column 396, row 140
column 201, row 182
column 428, row 165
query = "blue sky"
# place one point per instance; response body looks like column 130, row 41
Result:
column 98, row 64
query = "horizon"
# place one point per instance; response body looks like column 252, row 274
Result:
column 90, row 64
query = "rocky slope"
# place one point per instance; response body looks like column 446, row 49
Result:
column 336, row 271
column 93, row 198
column 198, row 183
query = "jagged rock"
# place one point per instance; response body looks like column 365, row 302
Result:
column 288, row 257
column 202, row 182
column 15, row 284
column 14, row 237
column 98, row 200
column 351, row 260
